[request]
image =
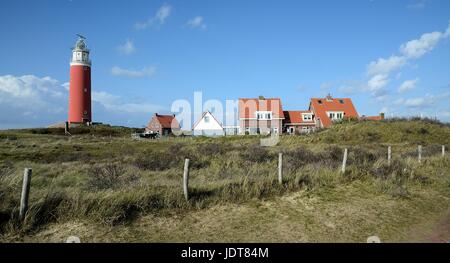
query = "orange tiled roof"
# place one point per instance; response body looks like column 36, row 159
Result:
column 167, row 121
column 372, row 118
column 296, row 117
column 320, row 106
column 248, row 106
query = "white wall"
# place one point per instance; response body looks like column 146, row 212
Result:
column 210, row 128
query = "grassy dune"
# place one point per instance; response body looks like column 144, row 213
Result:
column 103, row 186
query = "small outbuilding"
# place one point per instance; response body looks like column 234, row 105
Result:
column 208, row 125
column 163, row 124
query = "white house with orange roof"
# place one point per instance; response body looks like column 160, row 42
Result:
column 328, row 110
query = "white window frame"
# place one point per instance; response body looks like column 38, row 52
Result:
column 335, row 115
column 307, row 116
column 263, row 115
column 206, row 119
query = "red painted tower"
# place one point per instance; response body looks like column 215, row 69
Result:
column 80, row 84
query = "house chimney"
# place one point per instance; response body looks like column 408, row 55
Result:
column 329, row 98
column 382, row 115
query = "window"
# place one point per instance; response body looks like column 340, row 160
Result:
column 275, row 130
column 319, row 101
column 341, row 101
column 305, row 129
column 307, row 117
column 206, row 119
column 339, row 115
column 263, row 115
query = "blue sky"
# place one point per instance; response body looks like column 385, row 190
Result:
column 390, row 56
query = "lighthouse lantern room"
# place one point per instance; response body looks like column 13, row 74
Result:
column 80, row 84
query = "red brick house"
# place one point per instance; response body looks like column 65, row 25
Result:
column 260, row 115
column 296, row 122
column 328, row 110
column 163, row 124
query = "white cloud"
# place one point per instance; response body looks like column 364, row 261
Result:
column 345, row 89
column 66, row 85
column 115, row 104
column 377, row 82
column 417, row 102
column 127, row 48
column 29, row 101
column 196, row 22
column 159, row 18
column 447, row 33
column 104, row 98
column 408, row 85
column 145, row 72
column 29, row 87
column 419, row 47
column 417, row 5
column 385, row 110
column 385, row 66
column 380, row 70
column 420, row 102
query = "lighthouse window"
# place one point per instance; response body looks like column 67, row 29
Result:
column 85, row 112
column 85, row 90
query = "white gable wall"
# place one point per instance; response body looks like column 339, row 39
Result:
column 208, row 126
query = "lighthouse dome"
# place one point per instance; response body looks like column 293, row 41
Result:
column 80, row 44
column 80, row 53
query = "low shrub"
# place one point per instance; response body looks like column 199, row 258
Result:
column 257, row 154
column 382, row 170
column 299, row 157
column 109, row 176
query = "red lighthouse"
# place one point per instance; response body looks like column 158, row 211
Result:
column 80, row 84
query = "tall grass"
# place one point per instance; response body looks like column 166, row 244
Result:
column 115, row 180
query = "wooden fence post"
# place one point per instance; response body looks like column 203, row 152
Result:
column 186, row 179
column 419, row 149
column 443, row 150
column 25, row 193
column 66, row 128
column 280, row 168
column 389, row 155
column 344, row 161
